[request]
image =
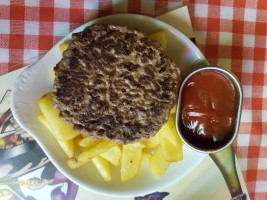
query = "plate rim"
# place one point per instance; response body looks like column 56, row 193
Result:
column 42, row 145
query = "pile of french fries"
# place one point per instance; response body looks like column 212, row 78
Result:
column 159, row 151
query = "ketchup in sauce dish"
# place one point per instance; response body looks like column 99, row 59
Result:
column 208, row 109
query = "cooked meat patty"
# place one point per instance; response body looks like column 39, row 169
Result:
column 114, row 83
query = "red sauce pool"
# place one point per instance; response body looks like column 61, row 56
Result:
column 209, row 104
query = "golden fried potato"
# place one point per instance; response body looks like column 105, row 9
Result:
column 146, row 155
column 103, row 167
column 90, row 153
column 74, row 163
column 160, row 37
column 113, row 155
column 170, row 141
column 63, row 46
column 87, row 142
column 60, row 129
column 172, row 153
column 77, row 147
column 43, row 120
column 173, row 110
column 157, row 162
column 53, row 74
column 151, row 142
column 66, row 145
column 130, row 160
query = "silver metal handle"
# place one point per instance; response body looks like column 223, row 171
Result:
column 225, row 161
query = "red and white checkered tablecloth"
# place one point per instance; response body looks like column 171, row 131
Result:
column 230, row 33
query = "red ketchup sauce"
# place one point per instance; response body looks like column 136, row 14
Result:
column 209, row 108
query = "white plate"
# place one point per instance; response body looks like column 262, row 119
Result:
column 37, row 80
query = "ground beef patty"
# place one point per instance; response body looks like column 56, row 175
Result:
column 113, row 83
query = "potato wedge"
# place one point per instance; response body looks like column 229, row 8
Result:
column 103, row 167
column 90, row 153
column 151, row 142
column 170, row 141
column 169, row 131
column 146, row 155
column 74, row 163
column 66, row 145
column 53, row 74
column 60, row 129
column 130, row 160
column 43, row 120
column 157, row 162
column 77, row 148
column 87, row 142
column 160, row 37
column 113, row 155
column 172, row 153
column 173, row 110
column 63, row 46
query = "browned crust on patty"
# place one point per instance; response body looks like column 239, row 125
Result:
column 113, row 83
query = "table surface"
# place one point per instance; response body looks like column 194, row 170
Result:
column 229, row 33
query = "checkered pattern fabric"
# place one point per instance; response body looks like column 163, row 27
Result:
column 229, row 33
column 233, row 34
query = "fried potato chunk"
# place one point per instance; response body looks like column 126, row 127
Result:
column 66, row 145
column 131, row 160
column 158, row 163
column 113, row 155
column 145, row 155
column 152, row 142
column 87, row 142
column 170, row 141
column 60, row 129
column 103, row 167
column 90, row 153
column 160, row 37
column 63, row 46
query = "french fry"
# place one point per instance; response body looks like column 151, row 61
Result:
column 151, row 142
column 173, row 110
column 43, row 120
column 130, row 160
column 76, row 142
column 63, row 46
column 60, row 129
column 103, row 167
column 53, row 74
column 90, row 153
column 157, row 162
column 170, row 141
column 172, row 153
column 66, row 145
column 113, row 155
column 139, row 144
column 74, row 163
column 146, row 155
column 96, row 149
column 169, row 131
column 84, row 135
column 87, row 142
column 160, row 37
